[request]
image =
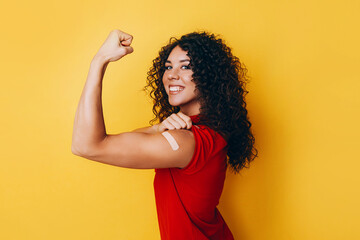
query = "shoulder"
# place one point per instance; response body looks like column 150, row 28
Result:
column 208, row 144
column 206, row 131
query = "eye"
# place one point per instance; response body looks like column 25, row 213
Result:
column 186, row 67
column 167, row 67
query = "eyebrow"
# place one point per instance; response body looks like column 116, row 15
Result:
column 183, row 60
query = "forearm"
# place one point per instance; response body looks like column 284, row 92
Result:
column 89, row 128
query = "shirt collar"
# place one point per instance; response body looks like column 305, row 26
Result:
column 195, row 118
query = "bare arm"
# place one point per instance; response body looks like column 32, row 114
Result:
column 142, row 148
column 89, row 128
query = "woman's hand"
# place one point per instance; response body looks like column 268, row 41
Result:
column 115, row 46
column 175, row 121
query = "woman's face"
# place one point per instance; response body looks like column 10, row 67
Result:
column 178, row 82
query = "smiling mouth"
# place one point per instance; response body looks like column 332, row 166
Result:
column 175, row 90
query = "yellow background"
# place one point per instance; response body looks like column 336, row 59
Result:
column 303, row 57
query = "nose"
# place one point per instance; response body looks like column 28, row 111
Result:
column 173, row 74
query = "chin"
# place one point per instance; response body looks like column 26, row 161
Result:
column 174, row 104
column 178, row 102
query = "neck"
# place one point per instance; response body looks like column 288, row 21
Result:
column 190, row 110
column 189, row 113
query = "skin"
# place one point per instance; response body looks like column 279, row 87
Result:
column 144, row 147
column 178, row 72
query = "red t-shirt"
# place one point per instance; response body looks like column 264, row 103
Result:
column 186, row 198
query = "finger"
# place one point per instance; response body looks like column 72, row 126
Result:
column 174, row 122
column 168, row 125
column 189, row 125
column 125, row 38
column 127, row 42
column 180, row 120
column 186, row 119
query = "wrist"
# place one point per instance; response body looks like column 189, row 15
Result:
column 99, row 60
column 155, row 128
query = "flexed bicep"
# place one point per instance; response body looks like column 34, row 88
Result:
column 145, row 151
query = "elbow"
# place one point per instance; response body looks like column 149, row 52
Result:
column 87, row 152
column 75, row 151
column 78, row 150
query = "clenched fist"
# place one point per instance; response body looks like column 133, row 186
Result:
column 115, row 46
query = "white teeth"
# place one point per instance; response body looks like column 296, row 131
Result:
column 176, row 88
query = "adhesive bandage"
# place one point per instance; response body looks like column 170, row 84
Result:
column 171, row 140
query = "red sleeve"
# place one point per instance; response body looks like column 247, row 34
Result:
column 204, row 145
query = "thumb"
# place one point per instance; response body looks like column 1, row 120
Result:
column 128, row 50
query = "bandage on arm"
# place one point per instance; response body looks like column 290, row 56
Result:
column 174, row 145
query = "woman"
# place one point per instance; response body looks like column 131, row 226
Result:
column 198, row 88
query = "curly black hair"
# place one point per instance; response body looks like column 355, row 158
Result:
column 220, row 79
